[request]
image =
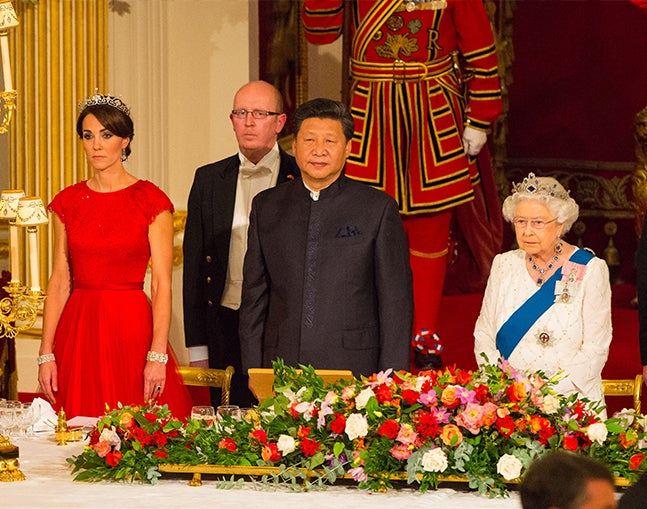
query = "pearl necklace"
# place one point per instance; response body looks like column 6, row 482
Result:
column 540, row 279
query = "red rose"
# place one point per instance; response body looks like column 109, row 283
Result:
column 463, row 377
column 635, row 461
column 482, row 393
column 505, row 426
column 227, row 443
column 411, row 397
column 338, row 424
column 570, row 443
column 259, row 435
column 271, row 452
column 389, row 429
column 150, row 417
column 383, row 394
column 113, row 458
column 160, row 453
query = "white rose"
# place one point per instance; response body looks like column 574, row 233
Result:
column 509, row 467
column 597, row 432
column 286, row 444
column 110, row 435
column 356, row 426
column 362, row 398
column 550, row 405
column 434, row 460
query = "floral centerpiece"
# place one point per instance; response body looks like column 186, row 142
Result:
column 128, row 443
column 485, row 427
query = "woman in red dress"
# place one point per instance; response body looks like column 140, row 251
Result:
column 103, row 341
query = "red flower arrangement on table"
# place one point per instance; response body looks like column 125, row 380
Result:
column 485, row 427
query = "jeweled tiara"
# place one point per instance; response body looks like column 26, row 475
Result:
column 532, row 185
column 99, row 99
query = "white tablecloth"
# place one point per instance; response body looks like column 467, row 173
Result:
column 49, row 484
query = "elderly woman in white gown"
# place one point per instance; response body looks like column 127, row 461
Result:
column 547, row 305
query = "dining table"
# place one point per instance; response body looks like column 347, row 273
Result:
column 49, row 482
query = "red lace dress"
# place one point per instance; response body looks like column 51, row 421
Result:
column 106, row 326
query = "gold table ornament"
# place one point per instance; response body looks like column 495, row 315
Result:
column 9, row 465
column 64, row 434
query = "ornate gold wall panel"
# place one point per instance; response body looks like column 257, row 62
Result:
column 59, row 57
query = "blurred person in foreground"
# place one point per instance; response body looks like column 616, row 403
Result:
column 547, row 304
column 564, row 480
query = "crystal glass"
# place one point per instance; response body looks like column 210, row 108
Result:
column 232, row 411
column 29, row 418
column 203, row 413
column 6, row 419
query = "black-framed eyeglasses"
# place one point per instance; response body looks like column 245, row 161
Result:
column 257, row 114
column 536, row 224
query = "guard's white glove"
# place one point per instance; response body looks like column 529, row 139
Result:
column 473, row 140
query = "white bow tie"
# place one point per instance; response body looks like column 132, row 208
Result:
column 251, row 171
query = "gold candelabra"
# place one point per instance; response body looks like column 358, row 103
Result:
column 8, row 20
column 19, row 310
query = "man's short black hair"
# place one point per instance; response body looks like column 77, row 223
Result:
column 324, row 108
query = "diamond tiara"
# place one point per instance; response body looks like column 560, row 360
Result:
column 99, row 99
column 533, row 185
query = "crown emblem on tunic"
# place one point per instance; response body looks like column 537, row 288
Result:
column 532, row 185
column 101, row 99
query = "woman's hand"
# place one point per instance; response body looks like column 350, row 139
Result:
column 48, row 380
column 154, row 380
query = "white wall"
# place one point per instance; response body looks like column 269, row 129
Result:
column 178, row 64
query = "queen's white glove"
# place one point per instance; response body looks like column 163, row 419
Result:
column 473, row 140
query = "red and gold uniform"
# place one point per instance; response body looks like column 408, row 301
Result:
column 410, row 105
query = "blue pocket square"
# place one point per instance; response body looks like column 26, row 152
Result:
column 347, row 231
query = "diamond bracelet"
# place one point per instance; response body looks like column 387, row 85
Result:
column 157, row 357
column 48, row 357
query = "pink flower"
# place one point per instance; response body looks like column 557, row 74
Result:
column 358, row 474
column 401, row 451
column 102, row 447
column 407, row 435
column 471, row 418
column 428, row 398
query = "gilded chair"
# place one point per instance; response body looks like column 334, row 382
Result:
column 209, row 377
column 625, row 387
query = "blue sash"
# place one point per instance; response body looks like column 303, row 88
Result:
column 516, row 327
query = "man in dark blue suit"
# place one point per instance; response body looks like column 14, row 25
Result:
column 215, row 237
column 327, row 280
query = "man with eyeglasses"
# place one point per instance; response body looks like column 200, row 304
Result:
column 215, row 237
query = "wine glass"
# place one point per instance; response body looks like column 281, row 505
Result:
column 6, row 419
column 226, row 413
column 232, row 411
column 29, row 419
column 203, row 413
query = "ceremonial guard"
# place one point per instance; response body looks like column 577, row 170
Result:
column 425, row 91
